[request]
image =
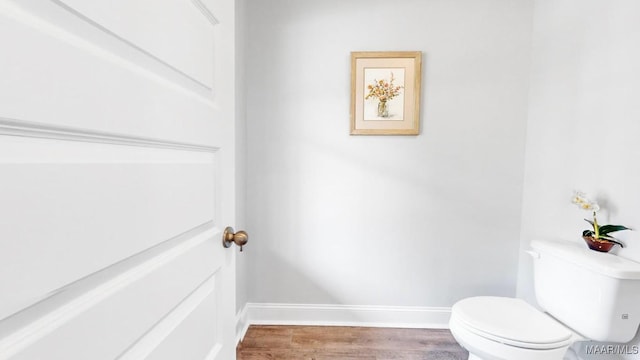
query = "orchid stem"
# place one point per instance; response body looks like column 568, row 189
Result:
column 596, row 228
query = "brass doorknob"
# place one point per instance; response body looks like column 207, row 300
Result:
column 240, row 238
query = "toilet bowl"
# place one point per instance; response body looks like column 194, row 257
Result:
column 497, row 328
column 584, row 295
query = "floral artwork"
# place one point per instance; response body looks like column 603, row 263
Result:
column 384, row 94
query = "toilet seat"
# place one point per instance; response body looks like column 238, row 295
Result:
column 511, row 322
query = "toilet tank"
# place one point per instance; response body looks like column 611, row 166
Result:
column 595, row 294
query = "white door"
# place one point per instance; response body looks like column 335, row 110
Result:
column 116, row 179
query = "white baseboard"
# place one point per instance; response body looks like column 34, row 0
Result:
column 342, row 315
column 242, row 323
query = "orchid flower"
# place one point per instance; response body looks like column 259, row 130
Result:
column 599, row 232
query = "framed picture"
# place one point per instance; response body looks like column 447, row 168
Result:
column 385, row 93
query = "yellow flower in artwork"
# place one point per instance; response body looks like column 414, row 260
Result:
column 383, row 90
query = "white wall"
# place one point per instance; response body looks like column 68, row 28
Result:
column 584, row 121
column 403, row 221
column 241, row 151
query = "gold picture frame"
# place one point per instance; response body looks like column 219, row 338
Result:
column 385, row 92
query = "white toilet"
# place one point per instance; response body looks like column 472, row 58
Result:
column 586, row 295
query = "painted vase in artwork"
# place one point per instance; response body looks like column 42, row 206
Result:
column 383, row 109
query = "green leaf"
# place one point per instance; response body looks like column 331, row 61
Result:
column 605, row 229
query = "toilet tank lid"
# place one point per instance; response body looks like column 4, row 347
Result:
column 603, row 263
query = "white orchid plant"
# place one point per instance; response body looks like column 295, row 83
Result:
column 599, row 232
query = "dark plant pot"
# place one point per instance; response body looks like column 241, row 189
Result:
column 598, row 245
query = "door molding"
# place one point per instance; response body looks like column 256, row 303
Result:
column 44, row 131
column 206, row 12
column 39, row 320
column 152, row 339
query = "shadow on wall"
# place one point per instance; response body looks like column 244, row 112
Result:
column 384, row 221
column 281, row 276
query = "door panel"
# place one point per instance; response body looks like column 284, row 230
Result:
column 183, row 40
column 191, row 339
column 100, row 82
column 116, row 178
column 119, row 304
column 92, row 226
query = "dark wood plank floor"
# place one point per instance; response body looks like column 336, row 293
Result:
column 346, row 343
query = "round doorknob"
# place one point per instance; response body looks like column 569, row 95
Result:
column 229, row 236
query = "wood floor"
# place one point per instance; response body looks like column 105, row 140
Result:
column 345, row 343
